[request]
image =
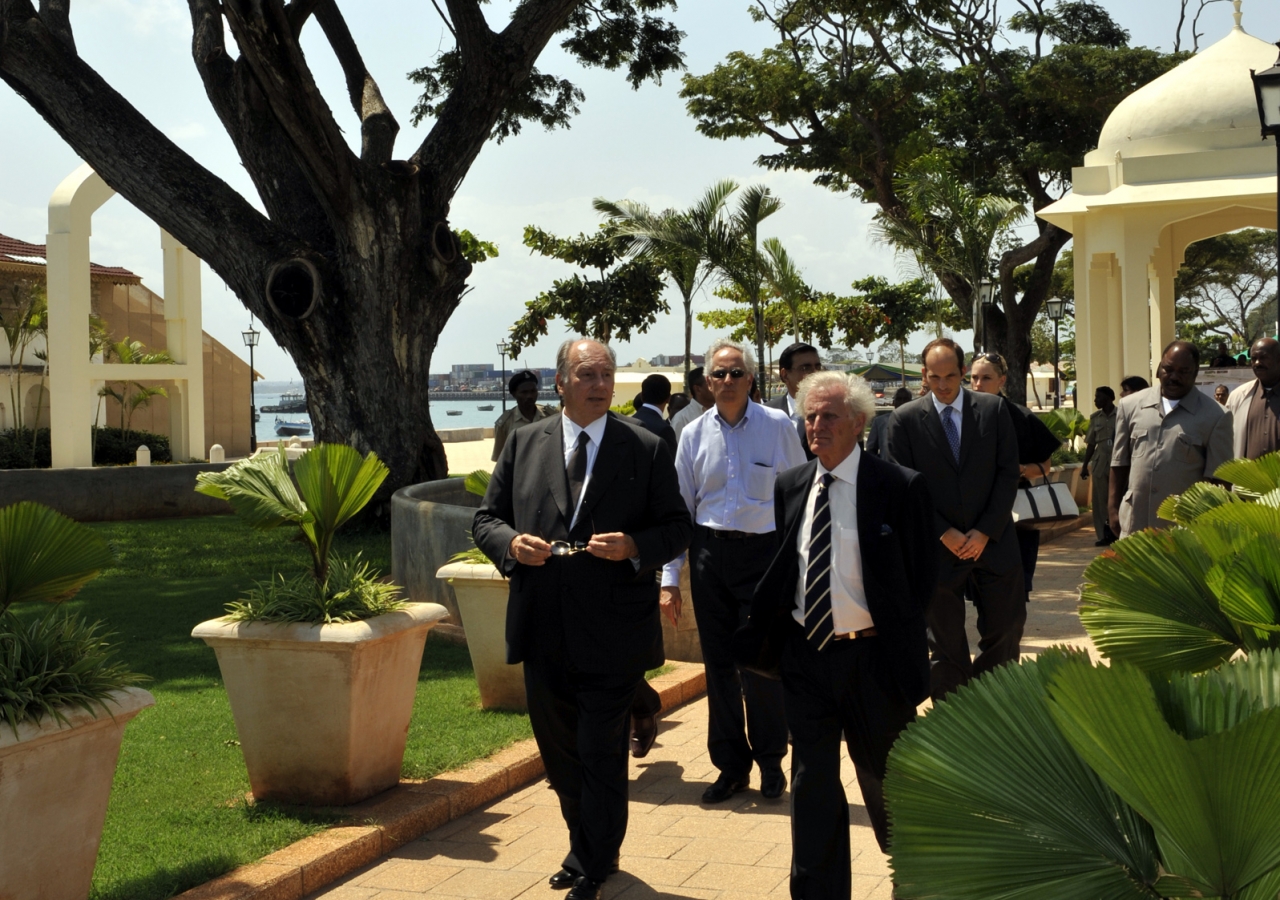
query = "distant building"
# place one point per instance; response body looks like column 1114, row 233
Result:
column 664, row 361
column 128, row 309
column 470, row 373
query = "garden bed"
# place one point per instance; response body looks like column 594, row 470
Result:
column 179, row 814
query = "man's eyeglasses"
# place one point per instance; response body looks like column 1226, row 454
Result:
column 722, row 374
column 564, row 548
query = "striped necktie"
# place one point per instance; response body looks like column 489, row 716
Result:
column 817, row 577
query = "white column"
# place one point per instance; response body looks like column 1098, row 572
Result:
column 185, row 342
column 72, row 403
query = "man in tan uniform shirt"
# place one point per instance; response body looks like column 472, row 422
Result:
column 1255, row 406
column 524, row 387
column 1168, row 437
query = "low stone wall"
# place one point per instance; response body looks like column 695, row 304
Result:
column 430, row 522
column 115, row 493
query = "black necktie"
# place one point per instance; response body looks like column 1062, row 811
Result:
column 817, row 577
column 577, row 469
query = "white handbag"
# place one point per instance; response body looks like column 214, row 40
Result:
column 1047, row 502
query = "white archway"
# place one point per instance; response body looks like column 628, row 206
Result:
column 73, row 376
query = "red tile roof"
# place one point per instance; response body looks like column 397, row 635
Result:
column 13, row 250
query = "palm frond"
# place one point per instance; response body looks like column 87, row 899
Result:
column 1259, row 476
column 46, row 556
column 477, row 482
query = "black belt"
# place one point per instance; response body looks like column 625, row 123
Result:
column 854, row 635
column 726, row 535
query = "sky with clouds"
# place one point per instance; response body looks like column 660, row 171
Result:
column 639, row 145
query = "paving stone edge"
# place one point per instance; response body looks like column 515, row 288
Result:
column 405, row 813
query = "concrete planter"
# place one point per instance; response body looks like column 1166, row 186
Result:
column 481, row 593
column 681, row 644
column 55, row 781
column 322, row 710
column 430, row 522
column 1069, row 474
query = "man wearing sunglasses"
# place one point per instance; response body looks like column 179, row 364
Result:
column 581, row 512
column 795, row 364
column 727, row 462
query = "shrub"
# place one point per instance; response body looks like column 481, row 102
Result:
column 112, row 447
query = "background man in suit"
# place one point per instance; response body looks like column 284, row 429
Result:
column 964, row 444
column 877, row 433
column 696, row 386
column 580, row 513
column 796, row 363
column 727, row 463
column 1168, row 437
column 846, row 593
column 655, row 391
column 1255, row 405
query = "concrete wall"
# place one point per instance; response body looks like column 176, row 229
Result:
column 116, row 493
column 430, row 522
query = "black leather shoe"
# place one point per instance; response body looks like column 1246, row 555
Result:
column 725, row 787
column 585, row 889
column 644, row 731
column 563, row 879
column 772, row 784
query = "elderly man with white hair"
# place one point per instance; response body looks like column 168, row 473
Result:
column 727, row 462
column 840, row 616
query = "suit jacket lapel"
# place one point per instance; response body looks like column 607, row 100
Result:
column 868, row 507
column 933, row 427
column 969, row 430
column 553, row 465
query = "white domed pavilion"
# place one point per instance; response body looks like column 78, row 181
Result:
column 1179, row 160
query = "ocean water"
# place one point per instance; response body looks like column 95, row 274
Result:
column 268, row 394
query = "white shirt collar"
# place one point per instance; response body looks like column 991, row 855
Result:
column 572, row 429
column 846, row 470
column 956, row 404
column 791, row 405
column 652, row 407
column 746, row 414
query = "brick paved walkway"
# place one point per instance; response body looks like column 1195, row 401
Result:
column 675, row 847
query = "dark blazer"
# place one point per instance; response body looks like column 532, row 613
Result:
column 609, row 609
column 899, row 571
column 876, row 435
column 977, row 493
column 658, row 425
column 781, row 404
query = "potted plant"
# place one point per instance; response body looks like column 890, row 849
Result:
column 321, row 667
column 64, row 702
column 481, row 591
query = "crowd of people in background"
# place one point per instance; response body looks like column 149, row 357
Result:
column 832, row 555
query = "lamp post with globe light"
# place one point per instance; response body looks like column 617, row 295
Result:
column 1266, row 86
column 503, row 347
column 251, row 340
column 1055, row 309
column 983, row 298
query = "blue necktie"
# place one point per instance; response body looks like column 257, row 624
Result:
column 953, row 434
column 817, row 577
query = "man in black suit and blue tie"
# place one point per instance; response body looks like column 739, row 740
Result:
column 964, row 444
column 580, row 513
column 655, row 393
column 840, row 616
column 796, row 363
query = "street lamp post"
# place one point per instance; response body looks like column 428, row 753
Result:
column 503, row 347
column 983, row 297
column 1055, row 309
column 251, row 340
column 1266, row 86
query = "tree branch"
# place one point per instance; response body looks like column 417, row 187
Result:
column 469, row 26
column 134, row 158
column 378, row 127
column 56, row 15
column 298, row 11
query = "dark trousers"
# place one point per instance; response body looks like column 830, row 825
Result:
column 833, row 694
column 1029, row 550
column 648, row 702
column 581, row 722
column 1001, row 601
column 746, row 718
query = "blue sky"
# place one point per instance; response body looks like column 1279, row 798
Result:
column 626, row 144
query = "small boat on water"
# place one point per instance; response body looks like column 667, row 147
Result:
column 488, row 407
column 286, row 428
column 290, row 402
column 453, row 412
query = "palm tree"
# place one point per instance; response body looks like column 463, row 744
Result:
column 676, row 240
column 133, row 353
column 784, row 277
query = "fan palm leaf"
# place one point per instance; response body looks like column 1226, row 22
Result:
column 477, row 482
column 335, row 483
column 1259, row 476
column 988, row 800
column 259, row 489
column 1212, row 796
column 46, row 556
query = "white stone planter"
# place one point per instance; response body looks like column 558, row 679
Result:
column 55, row 781
column 322, row 710
column 481, row 594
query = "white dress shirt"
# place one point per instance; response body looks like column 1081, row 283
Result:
column 956, row 404
column 689, row 414
column 791, row 409
column 727, row 472
column 849, row 611
column 595, row 431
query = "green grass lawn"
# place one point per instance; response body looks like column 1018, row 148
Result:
column 178, row 814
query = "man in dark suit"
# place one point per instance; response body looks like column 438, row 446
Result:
column 580, row 512
column 879, row 429
column 840, row 612
column 965, row 446
column 796, row 363
column 655, row 391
